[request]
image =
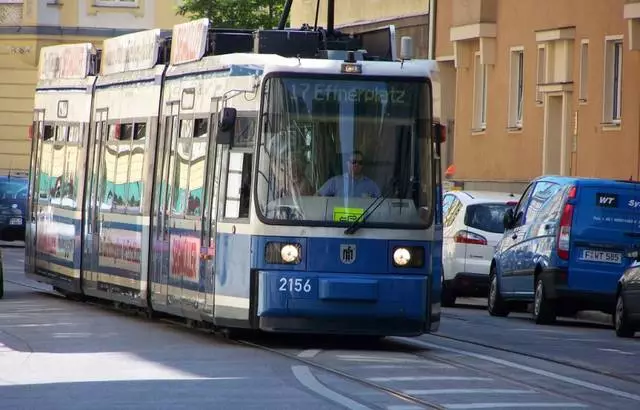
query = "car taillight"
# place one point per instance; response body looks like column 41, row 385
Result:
column 564, row 230
column 469, row 237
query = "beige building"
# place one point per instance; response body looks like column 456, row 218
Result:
column 28, row 25
column 541, row 87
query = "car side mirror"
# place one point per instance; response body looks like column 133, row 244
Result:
column 508, row 219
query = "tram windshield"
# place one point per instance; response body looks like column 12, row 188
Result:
column 331, row 147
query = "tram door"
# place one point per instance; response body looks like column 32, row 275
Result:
column 37, row 130
column 96, row 169
column 162, row 204
column 210, row 211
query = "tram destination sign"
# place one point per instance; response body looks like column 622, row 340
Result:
column 130, row 52
column 189, row 41
column 65, row 61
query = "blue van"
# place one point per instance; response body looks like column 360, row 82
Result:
column 565, row 247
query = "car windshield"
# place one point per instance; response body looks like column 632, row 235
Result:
column 330, row 147
column 486, row 217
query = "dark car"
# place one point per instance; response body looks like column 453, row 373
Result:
column 13, row 205
column 627, row 315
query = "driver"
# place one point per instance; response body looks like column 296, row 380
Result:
column 352, row 183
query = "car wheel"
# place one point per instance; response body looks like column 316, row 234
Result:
column 621, row 321
column 495, row 304
column 543, row 308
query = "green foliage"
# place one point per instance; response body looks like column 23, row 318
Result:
column 235, row 13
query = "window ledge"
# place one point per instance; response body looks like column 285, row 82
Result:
column 611, row 126
column 517, row 129
column 478, row 131
column 582, row 101
column 94, row 7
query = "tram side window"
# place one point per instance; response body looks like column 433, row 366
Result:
column 45, row 177
column 245, row 131
column 109, row 198
column 58, row 165
column 197, row 167
column 181, row 170
column 124, row 174
column 238, row 188
column 70, row 177
column 136, row 178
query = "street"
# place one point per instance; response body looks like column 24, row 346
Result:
column 60, row 354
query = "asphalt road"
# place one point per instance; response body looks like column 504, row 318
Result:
column 60, row 354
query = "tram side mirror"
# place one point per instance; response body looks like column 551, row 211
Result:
column 226, row 126
column 508, row 219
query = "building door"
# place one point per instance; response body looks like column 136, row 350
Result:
column 555, row 149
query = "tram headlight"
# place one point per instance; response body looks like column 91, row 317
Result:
column 401, row 256
column 279, row 252
column 408, row 256
column 289, row 253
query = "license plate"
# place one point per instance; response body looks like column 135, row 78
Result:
column 601, row 256
column 15, row 221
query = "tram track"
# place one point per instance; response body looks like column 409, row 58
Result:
column 540, row 357
column 552, row 391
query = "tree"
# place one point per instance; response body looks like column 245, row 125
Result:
column 250, row 14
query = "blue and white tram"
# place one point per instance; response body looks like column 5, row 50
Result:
column 258, row 191
column 59, row 140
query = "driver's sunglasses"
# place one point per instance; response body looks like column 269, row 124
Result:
column 356, row 161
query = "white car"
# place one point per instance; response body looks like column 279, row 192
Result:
column 473, row 225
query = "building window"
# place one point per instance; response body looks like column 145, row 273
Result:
column 516, row 88
column 613, row 80
column 116, row 3
column 584, row 71
column 479, row 95
column 541, row 73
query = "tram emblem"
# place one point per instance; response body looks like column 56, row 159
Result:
column 347, row 253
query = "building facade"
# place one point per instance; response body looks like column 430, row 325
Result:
column 28, row 25
column 541, row 87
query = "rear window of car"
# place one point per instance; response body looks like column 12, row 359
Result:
column 486, row 217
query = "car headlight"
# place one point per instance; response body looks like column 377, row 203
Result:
column 289, row 253
column 401, row 256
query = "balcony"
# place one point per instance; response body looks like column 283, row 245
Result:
column 473, row 20
column 632, row 15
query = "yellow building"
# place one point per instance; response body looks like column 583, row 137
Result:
column 28, row 25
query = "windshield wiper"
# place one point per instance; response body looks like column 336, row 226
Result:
column 362, row 218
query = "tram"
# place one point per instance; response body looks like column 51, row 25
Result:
column 276, row 180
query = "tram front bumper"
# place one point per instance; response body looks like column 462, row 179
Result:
column 319, row 302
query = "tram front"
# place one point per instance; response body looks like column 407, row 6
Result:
column 345, row 195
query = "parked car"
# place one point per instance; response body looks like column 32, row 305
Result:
column 564, row 247
column 473, row 225
column 13, row 205
column 626, row 318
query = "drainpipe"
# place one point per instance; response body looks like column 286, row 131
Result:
column 432, row 29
